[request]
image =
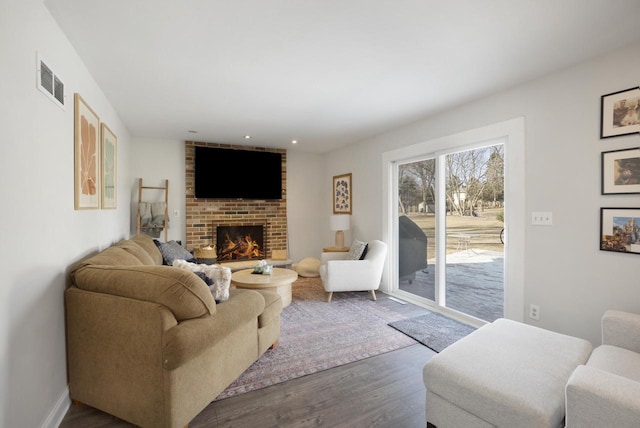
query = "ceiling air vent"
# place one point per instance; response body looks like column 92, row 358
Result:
column 49, row 83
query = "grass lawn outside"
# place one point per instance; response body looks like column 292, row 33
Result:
column 485, row 227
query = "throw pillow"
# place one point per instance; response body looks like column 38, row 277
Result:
column 356, row 250
column 218, row 278
column 221, row 282
column 203, row 276
column 364, row 252
column 173, row 251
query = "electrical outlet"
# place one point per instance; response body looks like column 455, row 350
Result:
column 176, row 213
column 534, row 312
column 539, row 218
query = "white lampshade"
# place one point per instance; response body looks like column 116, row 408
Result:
column 340, row 222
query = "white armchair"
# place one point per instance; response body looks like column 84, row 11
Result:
column 606, row 391
column 339, row 273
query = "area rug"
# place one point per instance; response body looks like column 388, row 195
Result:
column 433, row 330
column 316, row 335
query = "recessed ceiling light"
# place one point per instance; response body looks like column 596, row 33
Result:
column 246, row 137
column 294, row 141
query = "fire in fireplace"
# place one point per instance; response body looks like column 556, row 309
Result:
column 240, row 242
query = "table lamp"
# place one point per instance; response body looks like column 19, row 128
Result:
column 340, row 223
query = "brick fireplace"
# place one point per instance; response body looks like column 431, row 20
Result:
column 203, row 216
column 243, row 242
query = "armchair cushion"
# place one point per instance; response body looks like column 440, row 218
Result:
column 618, row 361
column 621, row 329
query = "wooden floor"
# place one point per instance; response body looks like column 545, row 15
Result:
column 382, row 391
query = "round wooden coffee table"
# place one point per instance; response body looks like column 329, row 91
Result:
column 279, row 281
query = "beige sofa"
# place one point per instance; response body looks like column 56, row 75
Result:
column 148, row 343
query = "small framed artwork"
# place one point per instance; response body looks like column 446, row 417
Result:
column 621, row 172
column 109, row 144
column 620, row 230
column 620, row 113
column 342, row 194
column 86, row 156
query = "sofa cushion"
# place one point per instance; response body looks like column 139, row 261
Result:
column 190, row 338
column 133, row 248
column 619, row 361
column 150, row 247
column 186, row 295
column 112, row 256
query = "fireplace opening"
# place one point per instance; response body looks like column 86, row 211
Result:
column 240, row 242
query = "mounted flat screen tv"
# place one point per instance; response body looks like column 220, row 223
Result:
column 237, row 174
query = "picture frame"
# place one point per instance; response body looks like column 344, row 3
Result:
column 620, row 113
column 620, row 172
column 342, row 194
column 620, row 230
column 109, row 145
column 87, row 180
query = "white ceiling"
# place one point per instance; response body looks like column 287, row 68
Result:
column 324, row 72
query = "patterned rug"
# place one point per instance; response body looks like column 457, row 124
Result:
column 433, row 330
column 316, row 335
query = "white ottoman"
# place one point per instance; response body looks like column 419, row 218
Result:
column 505, row 374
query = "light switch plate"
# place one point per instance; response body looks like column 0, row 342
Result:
column 540, row 218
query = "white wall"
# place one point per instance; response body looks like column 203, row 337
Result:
column 42, row 234
column 155, row 161
column 307, row 215
column 565, row 273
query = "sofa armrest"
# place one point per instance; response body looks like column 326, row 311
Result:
column 596, row 398
column 621, row 329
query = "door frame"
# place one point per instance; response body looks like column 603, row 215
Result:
column 511, row 133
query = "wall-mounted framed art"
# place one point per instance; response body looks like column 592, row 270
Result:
column 620, row 113
column 342, row 194
column 620, row 172
column 86, row 156
column 109, row 145
column 620, row 230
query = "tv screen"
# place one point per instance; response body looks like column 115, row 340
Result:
column 237, row 174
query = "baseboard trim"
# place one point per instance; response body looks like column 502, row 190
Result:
column 54, row 419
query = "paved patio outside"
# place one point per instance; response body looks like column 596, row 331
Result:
column 475, row 283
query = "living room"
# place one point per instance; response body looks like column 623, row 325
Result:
column 563, row 270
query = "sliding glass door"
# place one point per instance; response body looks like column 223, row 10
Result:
column 449, row 224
